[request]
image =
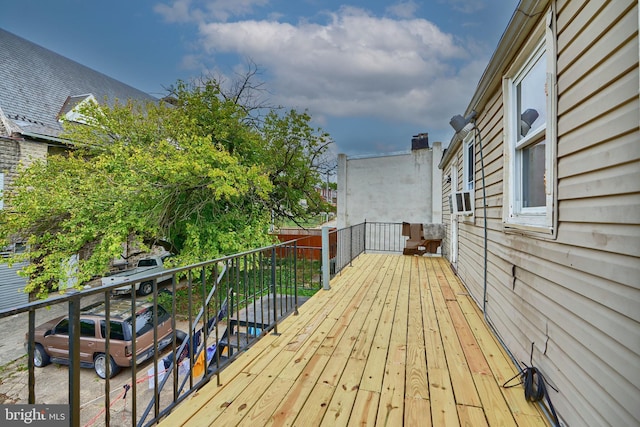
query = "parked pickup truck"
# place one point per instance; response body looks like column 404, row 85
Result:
column 145, row 267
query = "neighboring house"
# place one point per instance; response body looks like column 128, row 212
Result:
column 329, row 195
column 38, row 88
column 558, row 113
column 396, row 187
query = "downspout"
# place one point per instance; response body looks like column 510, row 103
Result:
column 484, row 210
column 485, row 239
column 485, row 271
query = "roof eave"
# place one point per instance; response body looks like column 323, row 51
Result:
column 518, row 28
column 47, row 138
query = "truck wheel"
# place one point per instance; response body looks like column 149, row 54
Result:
column 100, row 366
column 40, row 357
column 145, row 288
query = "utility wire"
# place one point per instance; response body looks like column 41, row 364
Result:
column 535, row 386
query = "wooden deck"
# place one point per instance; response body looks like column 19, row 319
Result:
column 396, row 341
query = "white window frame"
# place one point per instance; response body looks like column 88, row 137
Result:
column 463, row 203
column 461, row 207
column 468, row 174
column 537, row 219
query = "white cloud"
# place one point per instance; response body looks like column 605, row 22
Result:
column 355, row 64
column 466, row 6
column 177, row 11
column 403, row 9
column 206, row 10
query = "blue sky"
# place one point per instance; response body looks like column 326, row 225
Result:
column 371, row 73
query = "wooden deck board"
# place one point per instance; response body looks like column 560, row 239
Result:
column 417, row 412
column 471, row 416
column 396, row 341
column 456, row 358
column 443, row 406
column 340, row 407
column 376, row 359
column 297, row 397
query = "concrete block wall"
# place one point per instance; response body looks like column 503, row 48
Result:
column 9, row 160
column 14, row 152
column 31, row 151
column 394, row 188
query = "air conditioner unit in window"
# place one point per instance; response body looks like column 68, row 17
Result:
column 463, row 203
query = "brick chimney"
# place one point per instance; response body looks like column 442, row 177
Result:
column 420, row 141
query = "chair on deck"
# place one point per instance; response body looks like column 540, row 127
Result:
column 422, row 241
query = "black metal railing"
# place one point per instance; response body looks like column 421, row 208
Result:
column 345, row 245
column 220, row 306
column 384, row 237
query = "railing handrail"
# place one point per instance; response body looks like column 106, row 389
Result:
column 71, row 293
column 287, row 257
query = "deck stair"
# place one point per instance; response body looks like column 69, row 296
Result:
column 241, row 334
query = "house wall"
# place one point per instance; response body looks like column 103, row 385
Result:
column 13, row 152
column 575, row 295
column 9, row 160
column 391, row 188
column 31, row 151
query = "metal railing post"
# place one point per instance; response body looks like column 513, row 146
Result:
column 364, row 236
column 325, row 259
column 107, row 352
column 74, row 364
column 273, row 286
column 30, row 351
column 351, row 246
column 295, row 277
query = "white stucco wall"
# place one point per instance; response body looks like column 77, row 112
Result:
column 390, row 188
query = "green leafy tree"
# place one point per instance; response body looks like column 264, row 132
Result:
column 200, row 176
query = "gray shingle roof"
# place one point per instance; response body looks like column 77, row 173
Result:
column 35, row 83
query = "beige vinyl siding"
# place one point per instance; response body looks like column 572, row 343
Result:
column 445, row 247
column 471, row 234
column 576, row 295
column 596, row 292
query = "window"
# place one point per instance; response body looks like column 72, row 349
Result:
column 469, row 163
column 151, row 262
column 144, row 320
column 463, row 203
column 530, row 97
column 62, row 328
column 115, row 328
column 87, row 328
